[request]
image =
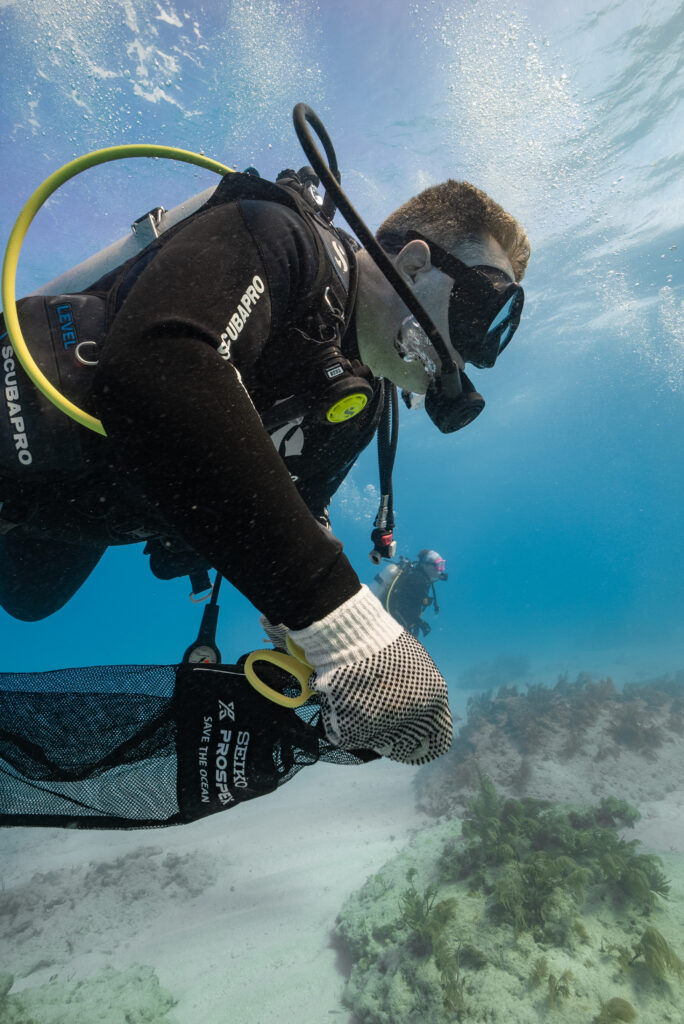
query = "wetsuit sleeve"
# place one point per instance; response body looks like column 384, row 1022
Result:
column 186, row 431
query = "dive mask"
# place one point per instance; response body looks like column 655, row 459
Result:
column 484, row 306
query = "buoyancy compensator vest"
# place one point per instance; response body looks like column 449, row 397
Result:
column 329, row 385
column 41, row 443
column 68, row 330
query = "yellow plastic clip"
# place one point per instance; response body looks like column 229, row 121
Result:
column 300, row 669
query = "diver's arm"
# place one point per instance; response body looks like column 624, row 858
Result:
column 187, row 430
column 188, row 435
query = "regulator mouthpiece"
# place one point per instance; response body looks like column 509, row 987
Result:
column 452, row 402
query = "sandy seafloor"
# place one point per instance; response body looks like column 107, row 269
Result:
column 234, row 913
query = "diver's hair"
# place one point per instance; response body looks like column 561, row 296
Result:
column 454, row 212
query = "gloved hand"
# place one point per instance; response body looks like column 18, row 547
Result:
column 379, row 688
column 277, row 634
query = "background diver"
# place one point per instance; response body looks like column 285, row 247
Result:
column 406, row 589
column 209, row 383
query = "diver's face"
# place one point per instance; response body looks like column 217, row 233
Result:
column 434, row 289
column 432, row 572
column 485, row 304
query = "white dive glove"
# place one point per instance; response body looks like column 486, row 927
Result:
column 378, row 686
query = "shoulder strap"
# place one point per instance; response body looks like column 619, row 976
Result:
column 337, row 260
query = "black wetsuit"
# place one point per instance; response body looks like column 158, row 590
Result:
column 187, row 458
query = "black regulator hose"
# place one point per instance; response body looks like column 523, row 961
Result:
column 301, row 115
column 330, row 176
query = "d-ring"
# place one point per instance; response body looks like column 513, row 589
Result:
column 82, row 359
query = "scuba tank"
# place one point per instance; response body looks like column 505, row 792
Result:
column 143, row 231
column 382, row 581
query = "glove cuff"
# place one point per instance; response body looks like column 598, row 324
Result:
column 276, row 633
column 358, row 629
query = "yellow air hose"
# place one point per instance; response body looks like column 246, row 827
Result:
column 16, row 239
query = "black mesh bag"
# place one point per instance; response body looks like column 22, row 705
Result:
column 149, row 745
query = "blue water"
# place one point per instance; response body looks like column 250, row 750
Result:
column 560, row 510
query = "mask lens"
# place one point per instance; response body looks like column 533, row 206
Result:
column 505, row 323
column 502, row 316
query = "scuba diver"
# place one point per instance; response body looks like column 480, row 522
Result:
column 238, row 364
column 405, row 589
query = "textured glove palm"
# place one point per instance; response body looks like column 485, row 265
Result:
column 378, row 686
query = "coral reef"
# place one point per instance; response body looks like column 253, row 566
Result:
column 615, row 1010
column 547, row 742
column 485, row 675
column 527, row 910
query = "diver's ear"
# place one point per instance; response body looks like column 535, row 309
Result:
column 413, row 259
